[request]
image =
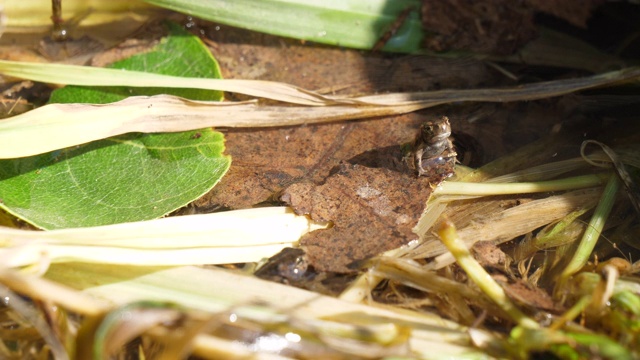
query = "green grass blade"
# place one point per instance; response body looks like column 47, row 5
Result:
column 594, row 229
column 349, row 23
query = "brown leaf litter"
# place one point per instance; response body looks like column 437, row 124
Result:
column 372, row 210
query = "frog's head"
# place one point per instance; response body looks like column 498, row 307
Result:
column 433, row 132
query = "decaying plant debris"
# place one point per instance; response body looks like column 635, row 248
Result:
column 494, row 266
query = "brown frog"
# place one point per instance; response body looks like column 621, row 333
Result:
column 432, row 153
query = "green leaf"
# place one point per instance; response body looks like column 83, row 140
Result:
column 180, row 54
column 126, row 178
column 350, row 23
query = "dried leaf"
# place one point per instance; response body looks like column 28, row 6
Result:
column 266, row 161
column 531, row 296
column 372, row 209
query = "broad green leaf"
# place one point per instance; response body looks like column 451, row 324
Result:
column 180, row 54
column 126, row 178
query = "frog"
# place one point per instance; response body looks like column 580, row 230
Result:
column 432, row 153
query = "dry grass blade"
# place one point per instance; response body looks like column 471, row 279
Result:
column 541, row 172
column 500, row 225
column 36, row 287
column 27, row 311
column 534, row 91
column 267, row 304
column 94, row 76
column 128, row 322
column 226, row 237
column 489, row 180
column 58, row 126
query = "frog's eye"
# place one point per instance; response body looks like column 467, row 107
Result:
column 428, row 128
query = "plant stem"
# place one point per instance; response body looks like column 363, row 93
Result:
column 592, row 233
column 485, row 189
column 479, row 276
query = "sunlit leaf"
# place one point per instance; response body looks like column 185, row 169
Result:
column 127, row 178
